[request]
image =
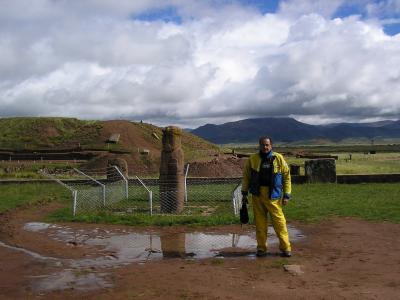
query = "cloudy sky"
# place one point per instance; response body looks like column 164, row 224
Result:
column 192, row 62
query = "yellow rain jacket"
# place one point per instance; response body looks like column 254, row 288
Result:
column 280, row 186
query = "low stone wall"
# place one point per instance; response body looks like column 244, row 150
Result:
column 47, row 156
column 368, row 178
column 297, row 179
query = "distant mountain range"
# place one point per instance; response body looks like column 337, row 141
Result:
column 290, row 130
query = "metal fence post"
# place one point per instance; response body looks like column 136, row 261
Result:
column 151, row 202
column 99, row 183
column 104, row 194
column 186, row 175
column 74, row 196
column 150, row 196
column 237, row 198
column 74, row 192
column 126, row 181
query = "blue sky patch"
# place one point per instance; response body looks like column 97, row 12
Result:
column 392, row 29
column 266, row 6
column 165, row 14
column 349, row 9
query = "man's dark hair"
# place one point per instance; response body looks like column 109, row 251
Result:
column 264, row 138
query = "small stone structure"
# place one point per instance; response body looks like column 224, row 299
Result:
column 112, row 173
column 320, row 170
column 172, row 179
column 114, row 138
column 144, row 151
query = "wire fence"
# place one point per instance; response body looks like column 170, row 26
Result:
column 108, row 189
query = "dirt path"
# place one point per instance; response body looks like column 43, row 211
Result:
column 339, row 259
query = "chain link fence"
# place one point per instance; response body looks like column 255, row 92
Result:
column 108, row 189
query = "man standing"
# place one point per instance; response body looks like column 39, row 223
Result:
column 267, row 177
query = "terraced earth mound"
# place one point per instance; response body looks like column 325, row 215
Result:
column 137, row 142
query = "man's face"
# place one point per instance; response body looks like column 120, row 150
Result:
column 265, row 146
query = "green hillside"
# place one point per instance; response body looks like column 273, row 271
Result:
column 30, row 134
column 139, row 144
column 42, row 133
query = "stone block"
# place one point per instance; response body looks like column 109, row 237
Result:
column 320, row 170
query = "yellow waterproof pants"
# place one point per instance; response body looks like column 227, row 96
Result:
column 262, row 205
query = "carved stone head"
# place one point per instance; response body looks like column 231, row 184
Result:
column 171, row 138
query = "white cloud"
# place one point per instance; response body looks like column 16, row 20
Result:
column 91, row 59
column 297, row 8
column 385, row 8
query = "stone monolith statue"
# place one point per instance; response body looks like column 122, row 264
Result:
column 172, row 179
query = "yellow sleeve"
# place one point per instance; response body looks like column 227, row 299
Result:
column 287, row 182
column 246, row 177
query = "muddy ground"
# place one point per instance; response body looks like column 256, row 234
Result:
column 342, row 258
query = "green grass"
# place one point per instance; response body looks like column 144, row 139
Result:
column 14, row 195
column 33, row 133
column 368, row 163
column 360, row 163
column 354, row 147
column 311, row 203
column 30, row 169
column 374, row 202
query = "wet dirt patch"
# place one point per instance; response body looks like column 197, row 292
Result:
column 118, row 247
column 344, row 257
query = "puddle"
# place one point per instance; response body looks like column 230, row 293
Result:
column 122, row 247
column 37, row 226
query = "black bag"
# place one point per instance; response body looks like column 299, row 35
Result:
column 244, row 214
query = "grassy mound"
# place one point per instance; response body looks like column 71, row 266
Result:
column 139, row 143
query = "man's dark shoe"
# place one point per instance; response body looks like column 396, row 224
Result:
column 286, row 253
column 261, row 253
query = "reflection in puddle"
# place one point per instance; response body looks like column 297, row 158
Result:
column 38, row 226
column 120, row 247
column 133, row 247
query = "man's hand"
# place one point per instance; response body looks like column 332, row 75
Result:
column 285, row 199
